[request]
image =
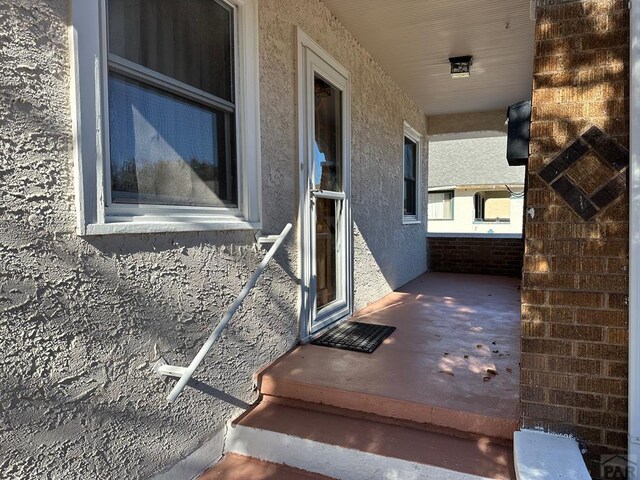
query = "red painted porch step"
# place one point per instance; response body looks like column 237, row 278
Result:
column 241, row 467
column 295, row 433
column 276, row 385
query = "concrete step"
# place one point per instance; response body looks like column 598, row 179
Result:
column 273, row 383
column 354, row 446
column 241, row 467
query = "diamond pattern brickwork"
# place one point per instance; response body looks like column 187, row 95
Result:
column 581, row 158
column 574, row 335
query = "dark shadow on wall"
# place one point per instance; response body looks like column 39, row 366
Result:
column 82, row 320
column 88, row 330
column 593, row 66
column 121, row 327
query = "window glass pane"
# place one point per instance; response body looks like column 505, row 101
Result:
column 409, row 197
column 478, row 204
column 441, row 206
column 188, row 40
column 166, row 150
column 410, row 194
column 435, row 206
column 409, row 158
column 497, row 206
column 493, row 206
column 448, row 206
column 327, row 148
column 326, row 273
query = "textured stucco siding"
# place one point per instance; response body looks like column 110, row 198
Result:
column 386, row 253
column 82, row 320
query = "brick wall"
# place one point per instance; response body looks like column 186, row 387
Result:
column 488, row 256
column 574, row 313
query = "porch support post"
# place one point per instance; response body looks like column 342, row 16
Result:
column 634, row 239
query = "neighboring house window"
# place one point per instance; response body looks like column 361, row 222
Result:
column 492, row 206
column 440, row 206
column 174, row 98
column 478, row 205
column 411, row 174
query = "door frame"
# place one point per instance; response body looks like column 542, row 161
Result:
column 305, row 68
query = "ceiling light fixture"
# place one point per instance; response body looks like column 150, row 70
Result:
column 461, row 66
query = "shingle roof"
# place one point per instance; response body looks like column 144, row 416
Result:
column 477, row 158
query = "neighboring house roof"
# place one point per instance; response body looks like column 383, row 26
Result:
column 476, row 158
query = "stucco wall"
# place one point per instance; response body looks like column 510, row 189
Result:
column 386, row 253
column 83, row 320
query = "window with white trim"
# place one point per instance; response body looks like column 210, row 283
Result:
column 166, row 115
column 492, row 207
column 440, row 206
column 411, row 175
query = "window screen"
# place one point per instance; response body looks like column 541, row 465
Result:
column 171, row 110
column 492, row 206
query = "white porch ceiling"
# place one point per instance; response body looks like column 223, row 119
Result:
column 413, row 40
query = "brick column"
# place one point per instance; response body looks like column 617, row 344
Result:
column 575, row 283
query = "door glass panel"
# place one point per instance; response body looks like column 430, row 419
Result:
column 327, row 146
column 325, row 251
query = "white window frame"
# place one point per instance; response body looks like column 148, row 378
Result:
column 88, row 40
column 453, row 196
column 481, row 220
column 416, row 137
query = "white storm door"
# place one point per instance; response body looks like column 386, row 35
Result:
column 326, row 220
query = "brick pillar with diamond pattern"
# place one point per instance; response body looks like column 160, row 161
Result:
column 575, row 281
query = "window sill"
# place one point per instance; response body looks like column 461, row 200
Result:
column 138, row 226
column 411, row 221
column 480, row 222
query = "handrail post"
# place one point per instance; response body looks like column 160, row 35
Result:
column 188, row 372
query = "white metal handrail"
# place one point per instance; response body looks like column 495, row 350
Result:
column 184, row 374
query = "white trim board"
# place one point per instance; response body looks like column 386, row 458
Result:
column 634, row 236
column 197, row 462
column 331, row 460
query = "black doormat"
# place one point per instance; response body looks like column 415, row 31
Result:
column 356, row 336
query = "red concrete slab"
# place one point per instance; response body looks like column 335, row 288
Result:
column 240, row 467
column 474, row 455
column 452, row 361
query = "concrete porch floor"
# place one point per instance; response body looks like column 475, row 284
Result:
column 453, row 332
